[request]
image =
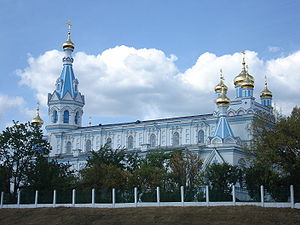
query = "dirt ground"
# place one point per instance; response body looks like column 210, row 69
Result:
column 149, row 216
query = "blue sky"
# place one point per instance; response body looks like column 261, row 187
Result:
column 184, row 31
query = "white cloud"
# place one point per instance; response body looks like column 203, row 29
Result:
column 12, row 106
column 7, row 103
column 41, row 73
column 146, row 83
column 284, row 76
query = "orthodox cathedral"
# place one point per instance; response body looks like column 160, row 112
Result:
column 217, row 137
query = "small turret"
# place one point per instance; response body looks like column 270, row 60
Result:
column 247, row 85
column 220, row 85
column 223, row 130
column 266, row 95
column 37, row 120
column 223, row 100
column 221, row 90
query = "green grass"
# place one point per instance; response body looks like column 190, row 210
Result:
column 153, row 215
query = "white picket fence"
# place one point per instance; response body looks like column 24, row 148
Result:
column 137, row 203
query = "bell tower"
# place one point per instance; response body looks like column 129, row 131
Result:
column 65, row 104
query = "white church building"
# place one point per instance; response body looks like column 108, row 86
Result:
column 217, row 137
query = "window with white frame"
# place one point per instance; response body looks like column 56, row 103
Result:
column 175, row 139
column 152, row 140
column 130, row 142
column 200, row 136
column 68, row 147
column 88, row 145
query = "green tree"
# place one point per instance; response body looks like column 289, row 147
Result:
column 5, row 176
column 260, row 174
column 186, row 171
column 185, row 167
column 152, row 171
column 20, row 145
column 220, row 178
column 49, row 175
column 157, row 159
column 104, row 176
column 107, row 156
column 275, row 152
column 107, row 168
column 148, row 177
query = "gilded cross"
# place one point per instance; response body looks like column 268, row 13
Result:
column 221, row 74
column 243, row 52
column 69, row 26
column 266, row 80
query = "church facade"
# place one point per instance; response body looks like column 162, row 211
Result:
column 217, row 137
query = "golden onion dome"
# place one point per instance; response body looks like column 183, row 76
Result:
column 68, row 43
column 223, row 99
column 37, row 120
column 266, row 93
column 248, row 82
column 221, row 84
column 239, row 79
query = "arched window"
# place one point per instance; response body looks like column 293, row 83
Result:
column 76, row 117
column 55, row 117
column 152, row 140
column 130, row 142
column 68, row 147
column 88, row 145
column 108, row 142
column 66, row 116
column 200, row 136
column 175, row 139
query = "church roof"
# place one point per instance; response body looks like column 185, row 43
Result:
column 201, row 116
column 68, row 78
column 223, row 129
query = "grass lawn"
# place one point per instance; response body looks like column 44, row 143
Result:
column 153, row 215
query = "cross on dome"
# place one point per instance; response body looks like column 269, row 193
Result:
column 69, row 26
column 244, row 54
column 221, row 74
column 69, row 44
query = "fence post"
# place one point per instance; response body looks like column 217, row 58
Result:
column 292, row 196
column 2, row 196
column 36, row 198
column 93, row 197
column 19, row 197
column 233, row 195
column 262, row 196
column 73, row 197
column 207, row 195
column 113, row 197
column 135, row 197
column 158, row 196
column 182, row 195
column 54, row 198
